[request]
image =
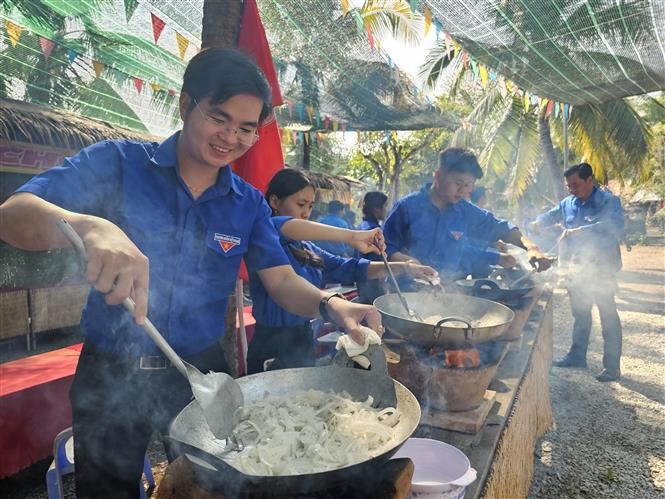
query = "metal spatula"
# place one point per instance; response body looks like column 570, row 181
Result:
column 218, row 394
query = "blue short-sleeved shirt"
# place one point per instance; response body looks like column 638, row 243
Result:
column 335, row 269
column 441, row 238
column 194, row 245
column 335, row 248
column 601, row 219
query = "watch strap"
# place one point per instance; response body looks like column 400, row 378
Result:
column 323, row 306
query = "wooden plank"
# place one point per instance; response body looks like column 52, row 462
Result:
column 55, row 308
column 463, row 421
column 14, row 316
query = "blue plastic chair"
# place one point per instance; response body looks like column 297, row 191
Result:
column 63, row 464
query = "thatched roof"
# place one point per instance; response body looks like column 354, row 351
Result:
column 329, row 187
column 34, row 124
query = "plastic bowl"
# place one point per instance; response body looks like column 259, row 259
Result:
column 441, row 470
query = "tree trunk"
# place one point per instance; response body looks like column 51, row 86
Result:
column 221, row 23
column 550, row 158
column 220, row 28
column 305, row 153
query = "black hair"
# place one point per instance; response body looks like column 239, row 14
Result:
column 283, row 184
column 455, row 159
column 335, row 206
column 584, row 171
column 224, row 73
column 478, row 193
column 372, row 201
column 287, row 182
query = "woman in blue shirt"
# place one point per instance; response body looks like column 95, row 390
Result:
column 279, row 334
column 375, row 209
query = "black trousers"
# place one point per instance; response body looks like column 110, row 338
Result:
column 290, row 346
column 115, row 408
column 598, row 289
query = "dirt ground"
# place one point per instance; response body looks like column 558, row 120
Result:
column 608, row 439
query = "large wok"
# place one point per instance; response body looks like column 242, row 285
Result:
column 190, row 435
column 465, row 320
column 491, row 289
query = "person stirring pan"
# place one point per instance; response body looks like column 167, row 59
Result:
column 281, row 334
column 166, row 224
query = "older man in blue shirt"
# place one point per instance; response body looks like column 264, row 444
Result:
column 593, row 222
column 170, row 220
column 434, row 226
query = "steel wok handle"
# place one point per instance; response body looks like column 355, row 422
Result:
column 129, row 305
column 439, row 326
column 486, row 283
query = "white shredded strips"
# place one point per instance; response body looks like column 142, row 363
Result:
column 309, row 432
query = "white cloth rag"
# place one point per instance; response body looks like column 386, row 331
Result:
column 352, row 348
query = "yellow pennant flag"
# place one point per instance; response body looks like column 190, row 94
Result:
column 14, row 32
column 456, row 48
column 428, row 19
column 527, row 101
column 542, row 103
column 509, row 87
column 345, row 7
column 310, row 112
column 156, row 87
column 183, row 43
column 482, row 70
column 98, row 67
column 335, row 125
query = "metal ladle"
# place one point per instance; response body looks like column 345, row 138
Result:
column 411, row 313
column 218, row 394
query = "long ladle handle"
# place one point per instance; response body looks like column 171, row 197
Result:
column 129, row 305
column 394, row 281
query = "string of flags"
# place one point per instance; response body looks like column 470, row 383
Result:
column 14, row 32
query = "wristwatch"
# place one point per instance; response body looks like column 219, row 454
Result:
column 323, row 306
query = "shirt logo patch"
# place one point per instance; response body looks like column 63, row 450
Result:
column 227, row 242
column 456, row 234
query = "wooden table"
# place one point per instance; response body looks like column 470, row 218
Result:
column 502, row 451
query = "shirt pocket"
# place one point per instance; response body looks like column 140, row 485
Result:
column 223, row 252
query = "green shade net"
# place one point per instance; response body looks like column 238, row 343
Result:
column 573, row 51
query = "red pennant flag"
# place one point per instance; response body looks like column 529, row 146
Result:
column 47, row 46
column 138, row 83
column 157, row 26
column 258, row 165
column 370, row 36
column 326, row 122
column 171, row 92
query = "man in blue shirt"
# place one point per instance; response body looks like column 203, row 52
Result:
column 593, row 222
column 171, row 221
column 334, row 218
column 434, row 226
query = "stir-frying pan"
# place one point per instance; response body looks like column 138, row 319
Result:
column 491, row 289
column 460, row 320
column 190, row 435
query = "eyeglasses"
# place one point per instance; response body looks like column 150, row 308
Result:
column 246, row 136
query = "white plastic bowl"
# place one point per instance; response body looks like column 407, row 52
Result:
column 441, row 470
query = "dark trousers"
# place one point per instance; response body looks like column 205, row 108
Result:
column 290, row 346
column 115, row 408
column 598, row 290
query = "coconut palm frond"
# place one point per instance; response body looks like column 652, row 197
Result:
column 437, row 59
column 527, row 153
column 393, row 17
column 498, row 156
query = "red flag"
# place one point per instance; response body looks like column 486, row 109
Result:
column 157, row 26
column 138, row 83
column 47, row 46
column 264, row 159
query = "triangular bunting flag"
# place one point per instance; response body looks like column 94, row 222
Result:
column 14, row 32
column 428, row 19
column 326, row 122
column 370, row 36
column 157, row 26
column 183, row 43
column 156, row 87
column 465, row 59
column 171, row 92
column 550, row 107
column 98, row 67
column 71, row 55
column 130, row 7
column 138, row 83
column 482, row 70
column 345, row 7
column 527, row 101
column 335, row 125
column 47, row 46
column 556, row 109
